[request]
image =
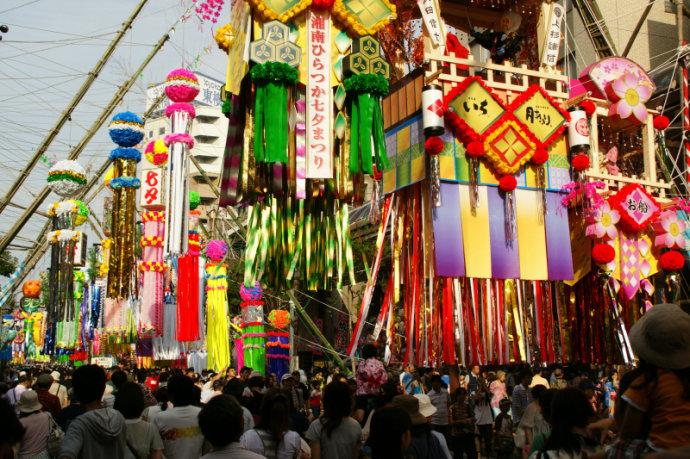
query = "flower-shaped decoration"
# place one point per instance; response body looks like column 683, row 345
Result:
column 251, row 293
column 279, row 318
column 32, row 288
column 156, row 152
column 126, row 129
column 602, row 222
column 637, row 208
column 66, row 177
column 631, row 94
column 225, row 36
column 181, row 85
column 670, row 231
column 216, row 250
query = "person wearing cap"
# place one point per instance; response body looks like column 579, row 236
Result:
column 58, row 389
column 36, row 424
column 661, row 341
column 425, row 443
column 49, row 401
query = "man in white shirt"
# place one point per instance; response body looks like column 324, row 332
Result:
column 13, row 395
column 540, row 379
column 58, row 389
column 179, row 425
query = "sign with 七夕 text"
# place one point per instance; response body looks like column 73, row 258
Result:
column 151, row 192
column 319, row 107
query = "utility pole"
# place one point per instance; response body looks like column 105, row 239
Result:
column 67, row 113
column 107, row 111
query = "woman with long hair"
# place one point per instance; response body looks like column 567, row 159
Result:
column 272, row 436
column 335, row 435
column 390, row 433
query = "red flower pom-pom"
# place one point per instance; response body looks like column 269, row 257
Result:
column 580, row 162
column 588, row 106
column 603, row 253
column 660, row 122
column 507, row 183
column 475, row 149
column 322, row 5
column 671, row 261
column 434, row 145
column 540, row 156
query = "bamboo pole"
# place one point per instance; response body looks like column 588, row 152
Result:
column 107, row 111
column 66, row 114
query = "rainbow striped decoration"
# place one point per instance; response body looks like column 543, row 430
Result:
column 474, row 244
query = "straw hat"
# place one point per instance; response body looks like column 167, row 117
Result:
column 662, row 337
column 28, row 402
column 425, row 406
column 410, row 404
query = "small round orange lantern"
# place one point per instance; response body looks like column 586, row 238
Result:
column 32, row 288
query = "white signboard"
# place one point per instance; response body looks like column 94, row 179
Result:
column 552, row 41
column 105, row 362
column 432, row 22
column 152, row 189
column 319, row 106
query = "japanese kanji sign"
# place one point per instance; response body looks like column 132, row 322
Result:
column 552, row 42
column 540, row 114
column 432, row 21
column 319, row 106
column 151, row 191
column 476, row 105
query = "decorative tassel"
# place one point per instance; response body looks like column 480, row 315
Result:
column 474, row 186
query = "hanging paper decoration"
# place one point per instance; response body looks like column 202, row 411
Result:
column 630, row 93
column 181, row 87
column 156, row 152
column 278, row 343
column 602, row 222
column 217, row 339
column 637, row 208
column 66, row 178
column 671, row 261
column 670, row 231
column 188, row 279
column 274, row 76
column 366, row 84
column 253, row 331
column 32, row 289
column 152, row 269
column 127, row 130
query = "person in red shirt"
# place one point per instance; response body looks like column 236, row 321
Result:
column 49, row 401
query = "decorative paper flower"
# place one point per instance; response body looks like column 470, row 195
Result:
column 181, row 85
column 580, row 162
column 126, row 129
column 194, row 200
column 66, row 177
column 125, row 153
column 156, row 152
column 660, row 122
column 322, row 4
column 588, row 107
column 32, row 288
column 216, row 250
column 251, row 293
column 603, row 222
column 434, row 145
column 507, row 183
column 671, row 261
column 125, row 182
column 631, row 94
column 225, row 36
column 279, row 318
column 670, row 231
column 181, row 137
column 180, row 106
column 603, row 254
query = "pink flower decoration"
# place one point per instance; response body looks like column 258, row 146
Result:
column 181, row 85
column 182, row 137
column 603, row 222
column 670, row 231
column 631, row 93
column 172, row 108
column 216, row 250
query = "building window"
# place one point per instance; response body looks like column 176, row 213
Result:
column 150, row 134
column 161, row 131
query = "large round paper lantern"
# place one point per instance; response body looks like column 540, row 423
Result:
column 32, row 288
column 66, row 177
column 181, row 85
column 156, row 152
column 126, row 129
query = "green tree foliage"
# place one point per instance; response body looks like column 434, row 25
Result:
column 8, row 264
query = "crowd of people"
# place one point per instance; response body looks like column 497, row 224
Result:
column 512, row 412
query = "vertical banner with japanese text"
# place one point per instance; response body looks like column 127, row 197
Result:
column 152, row 186
column 319, row 107
column 433, row 22
column 552, row 42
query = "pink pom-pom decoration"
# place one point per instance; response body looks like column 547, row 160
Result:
column 182, row 137
column 181, row 85
column 180, row 106
column 216, row 250
column 251, row 293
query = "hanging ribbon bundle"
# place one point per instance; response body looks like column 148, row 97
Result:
column 127, row 130
column 272, row 81
column 66, row 178
column 151, row 317
column 367, row 140
column 286, row 236
column 253, row 331
column 217, row 339
column 181, row 87
column 278, row 344
column 188, row 280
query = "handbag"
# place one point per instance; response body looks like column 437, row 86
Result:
column 54, row 438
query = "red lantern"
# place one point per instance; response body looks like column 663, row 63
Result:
column 588, row 107
column 603, row 254
column 32, row 289
column 434, row 145
column 671, row 261
column 660, row 122
column 507, row 183
column 580, row 162
column 540, row 156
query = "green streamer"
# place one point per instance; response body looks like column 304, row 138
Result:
column 354, row 136
column 379, row 139
column 259, row 101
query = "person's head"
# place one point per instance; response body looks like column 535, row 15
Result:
column 181, row 390
column 234, row 387
column 25, row 380
column 287, row 382
column 56, row 376
column 587, row 387
column 189, row 373
column 558, row 373
column 162, row 397
column 275, row 413
column 28, row 403
column 411, row 405
column 118, row 378
column 390, row 389
column 221, row 421
column 460, row 394
column 88, row 382
column 256, row 383
column 337, row 404
column 389, row 433
column 271, row 380
column 537, row 391
column 297, row 377
column 369, row 351
column 504, row 405
column 501, row 375
column 525, row 377
column 570, row 413
column 475, row 370
column 436, row 383
column 129, row 400
column 218, row 385
column 141, row 376
column 245, row 372
column 44, row 382
column 662, row 337
column 544, row 401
